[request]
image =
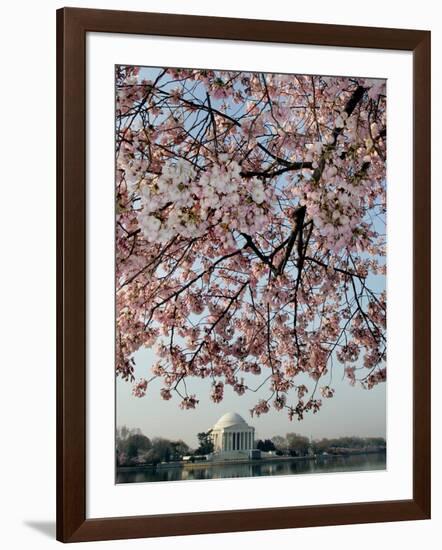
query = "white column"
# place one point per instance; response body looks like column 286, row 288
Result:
column 243, row 439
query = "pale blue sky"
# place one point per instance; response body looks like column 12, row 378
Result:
column 352, row 411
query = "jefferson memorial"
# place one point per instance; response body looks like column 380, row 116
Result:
column 232, row 437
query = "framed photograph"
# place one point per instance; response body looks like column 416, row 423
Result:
column 243, row 255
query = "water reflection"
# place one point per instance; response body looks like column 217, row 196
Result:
column 257, row 469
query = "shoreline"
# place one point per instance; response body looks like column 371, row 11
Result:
column 186, row 465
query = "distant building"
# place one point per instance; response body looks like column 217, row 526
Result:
column 232, row 438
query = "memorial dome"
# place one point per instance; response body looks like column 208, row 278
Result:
column 231, row 419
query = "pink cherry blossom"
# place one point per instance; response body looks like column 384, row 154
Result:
column 250, row 234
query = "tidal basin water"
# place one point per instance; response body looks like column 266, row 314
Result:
column 318, row 465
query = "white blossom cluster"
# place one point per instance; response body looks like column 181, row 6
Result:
column 186, row 202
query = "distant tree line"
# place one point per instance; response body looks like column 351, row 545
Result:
column 292, row 445
column 133, row 447
column 298, row 445
column 350, row 442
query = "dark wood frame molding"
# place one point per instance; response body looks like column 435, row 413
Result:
column 72, row 26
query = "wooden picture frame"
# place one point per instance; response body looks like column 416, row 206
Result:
column 72, row 26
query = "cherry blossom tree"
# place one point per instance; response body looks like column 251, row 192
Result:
column 250, row 233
